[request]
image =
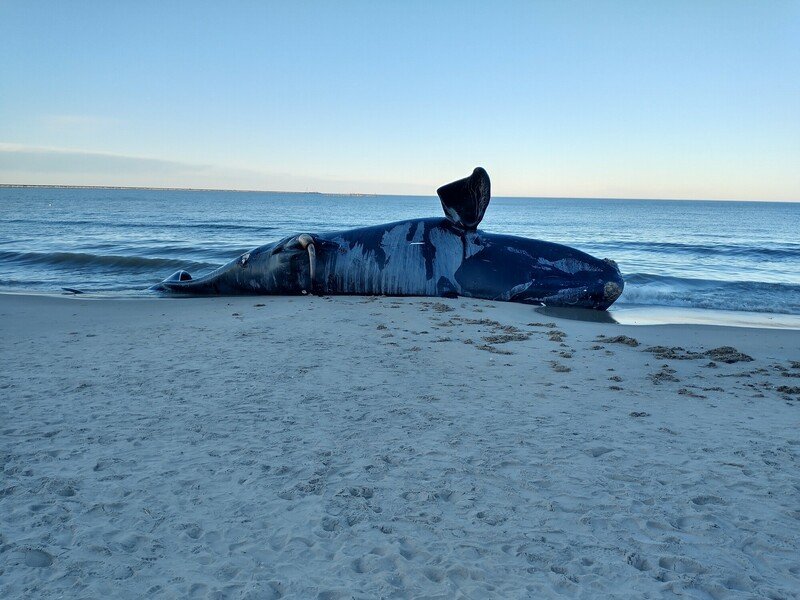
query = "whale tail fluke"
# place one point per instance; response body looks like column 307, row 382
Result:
column 465, row 201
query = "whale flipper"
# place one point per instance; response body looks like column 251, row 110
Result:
column 464, row 201
column 179, row 276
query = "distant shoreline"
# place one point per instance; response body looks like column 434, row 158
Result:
column 167, row 189
column 360, row 195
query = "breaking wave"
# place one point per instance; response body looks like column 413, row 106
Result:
column 755, row 296
column 85, row 261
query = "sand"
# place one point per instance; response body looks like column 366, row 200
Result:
column 391, row 448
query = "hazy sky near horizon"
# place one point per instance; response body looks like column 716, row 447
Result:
column 661, row 99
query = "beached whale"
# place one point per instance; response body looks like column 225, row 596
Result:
column 421, row 257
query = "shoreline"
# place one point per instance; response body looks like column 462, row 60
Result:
column 328, row 447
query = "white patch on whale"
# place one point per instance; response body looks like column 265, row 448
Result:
column 448, row 259
column 404, row 270
column 571, row 295
column 567, row 265
column 517, row 289
column 472, row 244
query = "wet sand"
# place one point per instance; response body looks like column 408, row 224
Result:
column 391, row 447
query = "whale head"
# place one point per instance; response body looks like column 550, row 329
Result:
column 515, row 269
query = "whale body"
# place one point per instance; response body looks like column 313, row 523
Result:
column 446, row 257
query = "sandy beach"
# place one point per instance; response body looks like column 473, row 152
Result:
column 356, row 447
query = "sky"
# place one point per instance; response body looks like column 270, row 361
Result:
column 656, row 99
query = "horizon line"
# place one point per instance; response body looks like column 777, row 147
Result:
column 359, row 194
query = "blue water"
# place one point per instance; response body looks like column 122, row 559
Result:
column 720, row 255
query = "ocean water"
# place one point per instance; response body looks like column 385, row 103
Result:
column 735, row 256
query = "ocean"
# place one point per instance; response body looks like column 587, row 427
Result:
column 731, row 256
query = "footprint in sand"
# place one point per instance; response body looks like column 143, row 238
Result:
column 198, row 590
column 598, row 451
column 359, row 565
column 329, row 523
column 638, row 563
column 681, row 565
column 434, row 575
column 193, row 531
column 703, row 500
column 121, row 572
column 67, row 491
column 38, row 558
column 331, row 595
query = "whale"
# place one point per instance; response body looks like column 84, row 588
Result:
column 443, row 256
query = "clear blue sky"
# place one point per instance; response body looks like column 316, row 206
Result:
column 673, row 99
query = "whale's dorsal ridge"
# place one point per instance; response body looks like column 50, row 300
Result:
column 464, row 201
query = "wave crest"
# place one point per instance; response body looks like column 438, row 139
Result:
column 754, row 296
column 81, row 260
